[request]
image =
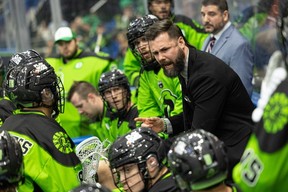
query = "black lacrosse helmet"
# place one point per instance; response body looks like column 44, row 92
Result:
column 28, row 74
column 11, row 161
column 198, row 160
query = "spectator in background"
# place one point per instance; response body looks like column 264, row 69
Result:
column 12, row 167
column 258, row 24
column 225, row 41
column 214, row 98
column 137, row 160
column 163, row 9
column 74, row 64
column 263, row 166
column 49, row 155
column 253, row 17
column 198, row 161
column 115, row 91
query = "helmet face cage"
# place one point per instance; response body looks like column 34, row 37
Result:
column 126, row 170
column 59, row 95
column 198, row 160
column 26, row 79
column 134, row 148
column 112, row 79
column 113, row 105
column 11, row 161
column 136, row 30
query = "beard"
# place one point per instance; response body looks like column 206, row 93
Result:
column 178, row 66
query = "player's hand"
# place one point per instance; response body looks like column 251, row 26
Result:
column 155, row 123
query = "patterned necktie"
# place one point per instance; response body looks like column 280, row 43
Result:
column 211, row 44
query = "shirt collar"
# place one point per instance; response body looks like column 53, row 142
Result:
column 218, row 35
column 184, row 73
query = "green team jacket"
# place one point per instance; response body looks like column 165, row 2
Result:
column 86, row 67
column 263, row 166
column 193, row 33
column 50, row 163
column 159, row 95
column 110, row 127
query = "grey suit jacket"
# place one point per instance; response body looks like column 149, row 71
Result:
column 236, row 52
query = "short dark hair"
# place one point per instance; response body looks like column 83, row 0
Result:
column 221, row 4
column 83, row 88
column 165, row 25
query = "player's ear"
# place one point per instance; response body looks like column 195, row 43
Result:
column 90, row 96
column 152, row 163
column 47, row 97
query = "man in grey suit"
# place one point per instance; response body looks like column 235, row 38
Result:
column 229, row 45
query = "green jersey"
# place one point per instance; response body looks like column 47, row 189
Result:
column 100, row 128
column 159, row 95
column 193, row 33
column 263, row 166
column 48, row 152
column 121, row 124
column 111, row 126
column 83, row 67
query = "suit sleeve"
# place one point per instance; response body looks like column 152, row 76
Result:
column 242, row 63
column 177, row 123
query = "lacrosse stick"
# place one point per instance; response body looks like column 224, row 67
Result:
column 90, row 151
column 275, row 74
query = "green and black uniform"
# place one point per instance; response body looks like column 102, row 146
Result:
column 6, row 109
column 82, row 67
column 263, row 166
column 165, row 184
column 158, row 95
column 193, row 33
column 50, row 163
column 101, row 127
column 120, row 124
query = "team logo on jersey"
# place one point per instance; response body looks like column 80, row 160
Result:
column 62, row 142
column 78, row 65
column 275, row 114
column 25, row 144
column 17, row 59
column 160, row 84
column 132, row 137
column 168, row 101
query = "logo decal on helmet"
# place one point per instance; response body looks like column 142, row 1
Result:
column 62, row 142
column 131, row 138
column 180, row 148
column 39, row 67
column 16, row 59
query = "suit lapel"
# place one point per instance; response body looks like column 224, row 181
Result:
column 222, row 40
